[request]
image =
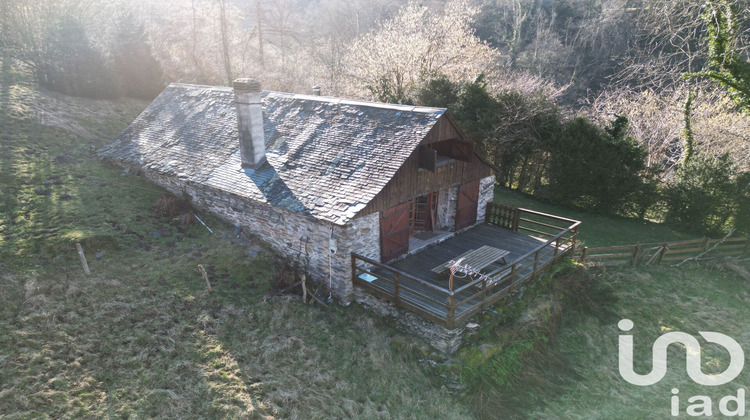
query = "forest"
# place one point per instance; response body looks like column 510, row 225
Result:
column 638, row 108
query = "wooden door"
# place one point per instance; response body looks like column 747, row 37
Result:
column 394, row 232
column 424, row 213
column 468, row 198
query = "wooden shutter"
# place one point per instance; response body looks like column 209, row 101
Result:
column 468, row 198
column 394, row 232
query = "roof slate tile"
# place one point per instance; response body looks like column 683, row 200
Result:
column 326, row 157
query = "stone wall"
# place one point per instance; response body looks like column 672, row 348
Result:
column 486, row 195
column 446, row 208
column 439, row 337
column 294, row 236
column 362, row 236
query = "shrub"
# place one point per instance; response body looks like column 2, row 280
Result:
column 72, row 65
column 595, row 168
column 742, row 214
column 702, row 196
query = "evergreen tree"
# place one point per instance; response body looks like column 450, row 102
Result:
column 71, row 65
column 137, row 72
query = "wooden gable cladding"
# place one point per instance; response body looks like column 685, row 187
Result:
column 410, row 181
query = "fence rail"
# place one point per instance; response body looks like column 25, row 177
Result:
column 663, row 252
column 451, row 307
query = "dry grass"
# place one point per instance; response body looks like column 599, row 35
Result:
column 74, row 347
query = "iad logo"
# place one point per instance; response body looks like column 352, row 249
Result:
column 699, row 405
column 693, row 357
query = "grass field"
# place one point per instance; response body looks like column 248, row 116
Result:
column 597, row 230
column 143, row 338
column 657, row 300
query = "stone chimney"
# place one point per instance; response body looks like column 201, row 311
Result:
column 250, row 122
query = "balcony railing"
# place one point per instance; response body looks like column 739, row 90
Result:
column 451, row 307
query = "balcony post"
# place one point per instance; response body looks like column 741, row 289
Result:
column 396, row 288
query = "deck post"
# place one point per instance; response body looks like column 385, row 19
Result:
column 536, row 263
column 573, row 240
column 512, row 276
column 396, row 288
column 584, row 254
column 451, row 318
column 484, row 292
column 557, row 246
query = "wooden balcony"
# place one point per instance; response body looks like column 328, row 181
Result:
column 533, row 240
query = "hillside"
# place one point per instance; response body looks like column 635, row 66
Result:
column 142, row 337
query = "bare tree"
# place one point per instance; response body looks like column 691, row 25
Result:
column 418, row 44
column 656, row 121
column 224, row 29
column 668, row 42
column 259, row 25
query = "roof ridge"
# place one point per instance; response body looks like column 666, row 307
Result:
column 359, row 102
column 327, row 99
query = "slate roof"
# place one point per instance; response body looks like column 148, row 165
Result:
column 326, row 157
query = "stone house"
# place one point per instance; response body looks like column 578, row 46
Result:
column 316, row 177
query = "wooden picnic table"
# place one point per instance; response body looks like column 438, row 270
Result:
column 476, row 258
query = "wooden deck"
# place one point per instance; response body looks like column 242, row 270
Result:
column 411, row 283
column 420, row 265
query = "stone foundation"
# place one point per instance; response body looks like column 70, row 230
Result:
column 443, row 339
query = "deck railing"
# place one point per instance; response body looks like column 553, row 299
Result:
column 451, row 307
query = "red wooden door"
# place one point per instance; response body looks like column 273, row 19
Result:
column 394, row 232
column 468, row 198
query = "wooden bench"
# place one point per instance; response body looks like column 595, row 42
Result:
column 477, row 258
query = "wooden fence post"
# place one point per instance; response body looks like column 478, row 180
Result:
column 662, row 251
column 584, row 254
column 636, row 251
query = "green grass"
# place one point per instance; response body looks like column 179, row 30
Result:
column 596, row 230
column 657, row 300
